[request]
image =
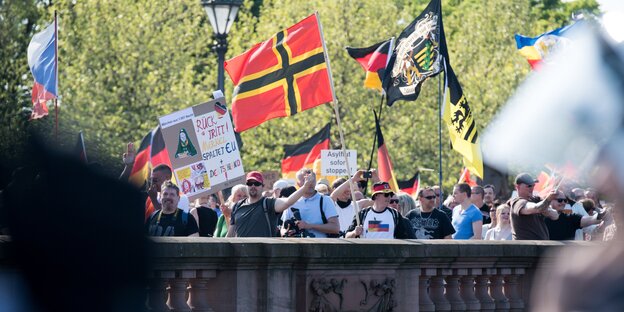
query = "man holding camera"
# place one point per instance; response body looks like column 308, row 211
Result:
column 255, row 216
column 316, row 212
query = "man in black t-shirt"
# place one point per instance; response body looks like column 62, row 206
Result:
column 428, row 222
column 170, row 220
column 255, row 216
column 566, row 225
column 476, row 197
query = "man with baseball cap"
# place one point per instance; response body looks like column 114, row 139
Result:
column 255, row 216
column 380, row 221
column 528, row 212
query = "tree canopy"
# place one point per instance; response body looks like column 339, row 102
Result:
column 122, row 64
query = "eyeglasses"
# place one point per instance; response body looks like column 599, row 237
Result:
column 430, row 197
column 562, row 200
column 252, row 183
column 530, row 185
column 394, row 201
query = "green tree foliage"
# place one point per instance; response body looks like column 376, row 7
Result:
column 124, row 63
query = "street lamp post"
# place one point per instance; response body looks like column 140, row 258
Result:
column 221, row 14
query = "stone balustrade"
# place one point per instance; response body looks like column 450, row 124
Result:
column 212, row 274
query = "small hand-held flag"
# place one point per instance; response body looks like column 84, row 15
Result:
column 281, row 76
column 416, row 56
column 304, row 154
column 373, row 60
column 42, row 60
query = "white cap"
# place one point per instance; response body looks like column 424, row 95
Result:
column 280, row 184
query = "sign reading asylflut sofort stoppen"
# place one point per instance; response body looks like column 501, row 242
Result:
column 202, row 147
column 333, row 162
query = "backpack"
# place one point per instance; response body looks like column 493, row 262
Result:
column 272, row 229
column 341, row 234
column 184, row 218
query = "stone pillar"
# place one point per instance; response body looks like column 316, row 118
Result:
column 177, row 290
column 496, row 290
column 198, row 291
column 247, row 290
column 481, row 290
column 452, row 290
column 436, row 290
column 157, row 292
column 512, row 290
column 467, row 290
column 424, row 302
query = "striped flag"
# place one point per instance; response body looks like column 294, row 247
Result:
column 151, row 153
column 465, row 178
column 538, row 49
column 42, row 60
column 411, row 186
column 373, row 60
column 384, row 164
column 304, row 154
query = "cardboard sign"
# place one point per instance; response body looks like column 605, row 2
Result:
column 202, row 147
column 333, row 162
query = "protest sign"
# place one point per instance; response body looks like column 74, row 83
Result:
column 202, row 147
column 333, row 163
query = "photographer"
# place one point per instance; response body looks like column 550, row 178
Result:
column 313, row 214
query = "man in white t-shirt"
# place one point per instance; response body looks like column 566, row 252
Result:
column 379, row 221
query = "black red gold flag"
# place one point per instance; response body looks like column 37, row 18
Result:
column 281, row 76
column 304, row 154
column 411, row 186
column 417, row 55
column 373, row 60
column 384, row 164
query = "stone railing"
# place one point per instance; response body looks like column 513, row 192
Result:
column 211, row 274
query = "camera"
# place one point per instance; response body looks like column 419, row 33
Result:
column 367, row 175
column 293, row 229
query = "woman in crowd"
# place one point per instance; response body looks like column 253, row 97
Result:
column 406, row 203
column 502, row 230
column 492, row 224
column 239, row 192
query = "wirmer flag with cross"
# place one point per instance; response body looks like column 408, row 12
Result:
column 281, row 76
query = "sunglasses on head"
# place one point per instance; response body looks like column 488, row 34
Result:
column 562, row 200
column 394, row 201
column 253, row 183
column 431, row 197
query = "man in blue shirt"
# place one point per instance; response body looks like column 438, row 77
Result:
column 307, row 211
column 467, row 219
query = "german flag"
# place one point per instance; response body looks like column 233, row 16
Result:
column 280, row 77
column 465, row 178
column 303, row 155
column 384, row 164
column 151, row 153
column 374, row 60
column 411, row 186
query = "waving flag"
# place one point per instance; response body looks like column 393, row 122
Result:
column 151, row 153
column 280, row 77
column 384, row 164
column 465, row 178
column 304, row 154
column 411, row 186
column 417, row 55
column 538, row 49
column 43, row 66
column 374, row 60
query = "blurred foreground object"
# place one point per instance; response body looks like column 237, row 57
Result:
column 570, row 113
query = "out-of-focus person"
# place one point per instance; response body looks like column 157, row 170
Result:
column 406, row 203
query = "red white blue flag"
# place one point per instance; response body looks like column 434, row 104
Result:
column 43, row 66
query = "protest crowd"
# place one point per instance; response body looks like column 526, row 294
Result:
column 316, row 209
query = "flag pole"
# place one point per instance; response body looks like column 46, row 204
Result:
column 56, row 73
column 340, row 131
column 440, row 133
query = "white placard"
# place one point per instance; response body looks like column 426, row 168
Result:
column 333, row 162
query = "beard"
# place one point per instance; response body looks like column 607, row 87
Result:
column 253, row 192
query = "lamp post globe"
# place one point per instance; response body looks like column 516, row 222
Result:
column 221, row 14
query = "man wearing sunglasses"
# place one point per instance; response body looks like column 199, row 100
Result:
column 528, row 212
column 564, row 228
column 429, row 222
column 255, row 216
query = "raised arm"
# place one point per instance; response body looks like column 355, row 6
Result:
column 128, row 160
column 541, row 207
column 345, row 186
column 282, row 204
